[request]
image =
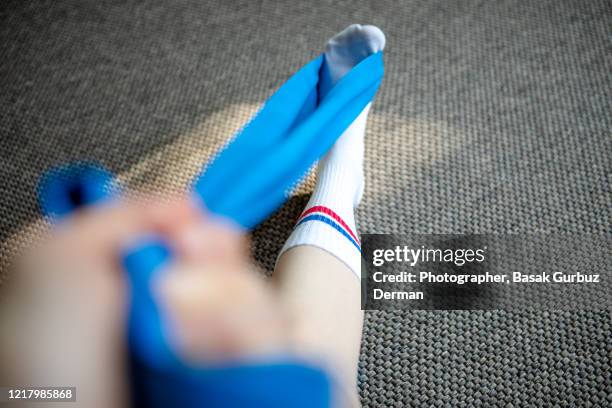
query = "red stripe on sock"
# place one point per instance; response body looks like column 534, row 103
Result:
column 331, row 213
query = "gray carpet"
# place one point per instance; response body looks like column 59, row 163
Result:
column 493, row 117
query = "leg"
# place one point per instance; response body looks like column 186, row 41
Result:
column 322, row 298
column 318, row 271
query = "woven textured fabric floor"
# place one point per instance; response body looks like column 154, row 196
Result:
column 493, row 117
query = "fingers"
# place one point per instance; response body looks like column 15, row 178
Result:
column 211, row 242
column 102, row 231
column 199, row 237
column 219, row 313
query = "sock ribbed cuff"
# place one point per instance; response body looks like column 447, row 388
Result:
column 323, row 228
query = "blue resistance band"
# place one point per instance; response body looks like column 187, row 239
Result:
column 246, row 182
column 250, row 178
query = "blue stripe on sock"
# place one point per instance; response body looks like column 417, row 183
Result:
column 329, row 221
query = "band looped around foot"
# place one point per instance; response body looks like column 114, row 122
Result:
column 250, row 177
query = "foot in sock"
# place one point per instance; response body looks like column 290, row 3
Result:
column 347, row 49
column 328, row 222
column 343, row 51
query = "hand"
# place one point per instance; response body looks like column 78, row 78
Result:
column 63, row 317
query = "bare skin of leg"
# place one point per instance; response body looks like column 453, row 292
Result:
column 321, row 296
column 310, row 310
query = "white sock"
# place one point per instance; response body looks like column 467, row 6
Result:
column 328, row 221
